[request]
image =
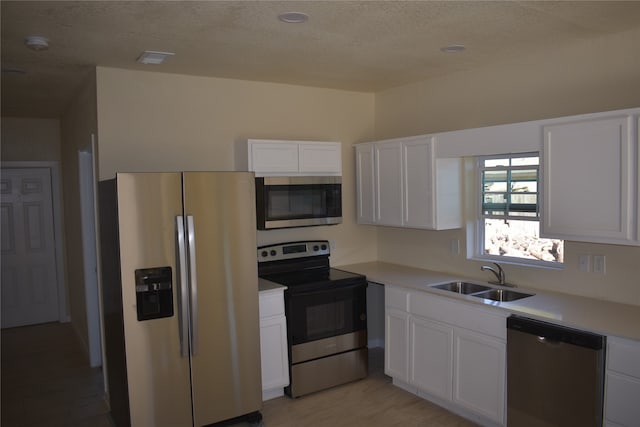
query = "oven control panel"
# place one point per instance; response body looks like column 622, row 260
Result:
column 293, row 250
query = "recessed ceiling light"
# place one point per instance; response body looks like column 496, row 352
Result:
column 293, row 17
column 453, row 48
column 37, row 42
column 153, row 57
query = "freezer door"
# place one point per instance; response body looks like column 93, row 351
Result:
column 226, row 380
column 157, row 373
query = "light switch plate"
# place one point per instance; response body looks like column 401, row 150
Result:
column 584, row 263
column 599, row 264
column 454, row 246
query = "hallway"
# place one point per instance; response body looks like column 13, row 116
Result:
column 47, row 381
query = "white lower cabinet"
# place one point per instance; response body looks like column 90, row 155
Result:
column 430, row 356
column 480, row 367
column 448, row 351
column 273, row 344
column 622, row 383
column 396, row 349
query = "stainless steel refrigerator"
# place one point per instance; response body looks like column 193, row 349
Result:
column 180, row 298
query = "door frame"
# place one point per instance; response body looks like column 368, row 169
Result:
column 89, row 219
column 56, row 195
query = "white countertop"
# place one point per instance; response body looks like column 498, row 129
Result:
column 266, row 286
column 603, row 317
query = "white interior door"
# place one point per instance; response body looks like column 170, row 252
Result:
column 29, row 276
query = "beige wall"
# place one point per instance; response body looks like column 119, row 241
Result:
column 167, row 122
column 77, row 124
column 581, row 78
column 33, row 140
column 596, row 76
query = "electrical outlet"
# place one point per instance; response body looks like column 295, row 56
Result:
column 332, row 244
column 454, row 246
column 599, row 264
column 584, row 263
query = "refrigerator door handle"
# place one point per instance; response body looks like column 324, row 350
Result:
column 194, row 284
column 183, row 300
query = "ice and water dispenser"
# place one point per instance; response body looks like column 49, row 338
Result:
column 154, row 293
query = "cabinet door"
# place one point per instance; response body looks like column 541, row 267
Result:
column 389, row 183
column 622, row 390
column 430, row 356
column 364, row 184
column 588, row 180
column 320, row 157
column 479, row 379
column 419, row 197
column 622, row 396
column 273, row 348
column 396, row 335
column 273, row 156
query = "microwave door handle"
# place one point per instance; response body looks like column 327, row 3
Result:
column 183, row 288
column 194, row 284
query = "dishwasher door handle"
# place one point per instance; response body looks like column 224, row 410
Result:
column 549, row 341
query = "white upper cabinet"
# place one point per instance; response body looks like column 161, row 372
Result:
column 320, row 157
column 590, row 182
column 419, row 200
column 289, row 158
column 388, row 183
column 401, row 183
column 365, row 183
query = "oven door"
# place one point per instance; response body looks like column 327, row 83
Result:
column 315, row 314
column 298, row 201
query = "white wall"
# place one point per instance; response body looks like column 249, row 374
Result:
column 590, row 76
column 168, row 122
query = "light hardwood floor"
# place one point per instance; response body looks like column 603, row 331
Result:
column 373, row 401
column 46, row 381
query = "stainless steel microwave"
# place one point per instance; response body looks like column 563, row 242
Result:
column 298, row 201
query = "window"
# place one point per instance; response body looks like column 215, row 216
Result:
column 509, row 220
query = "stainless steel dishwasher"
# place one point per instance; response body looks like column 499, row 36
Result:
column 554, row 375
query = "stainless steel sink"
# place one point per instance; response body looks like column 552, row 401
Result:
column 502, row 295
column 465, row 288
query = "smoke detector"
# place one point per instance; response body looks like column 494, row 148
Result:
column 453, row 48
column 37, row 43
column 293, row 17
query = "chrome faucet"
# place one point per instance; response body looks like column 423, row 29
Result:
column 499, row 272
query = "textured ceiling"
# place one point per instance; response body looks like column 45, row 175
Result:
column 353, row 45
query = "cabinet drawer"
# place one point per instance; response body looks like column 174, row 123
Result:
column 464, row 315
column 624, row 356
column 271, row 304
column 396, row 298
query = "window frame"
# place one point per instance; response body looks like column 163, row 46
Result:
column 479, row 232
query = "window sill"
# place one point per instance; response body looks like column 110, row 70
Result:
column 547, row 265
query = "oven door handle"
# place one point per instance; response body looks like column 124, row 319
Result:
column 292, row 292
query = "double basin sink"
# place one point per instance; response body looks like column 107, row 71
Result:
column 482, row 291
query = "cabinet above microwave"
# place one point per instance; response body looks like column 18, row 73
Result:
column 267, row 157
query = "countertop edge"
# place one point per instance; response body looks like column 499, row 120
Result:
column 267, row 286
